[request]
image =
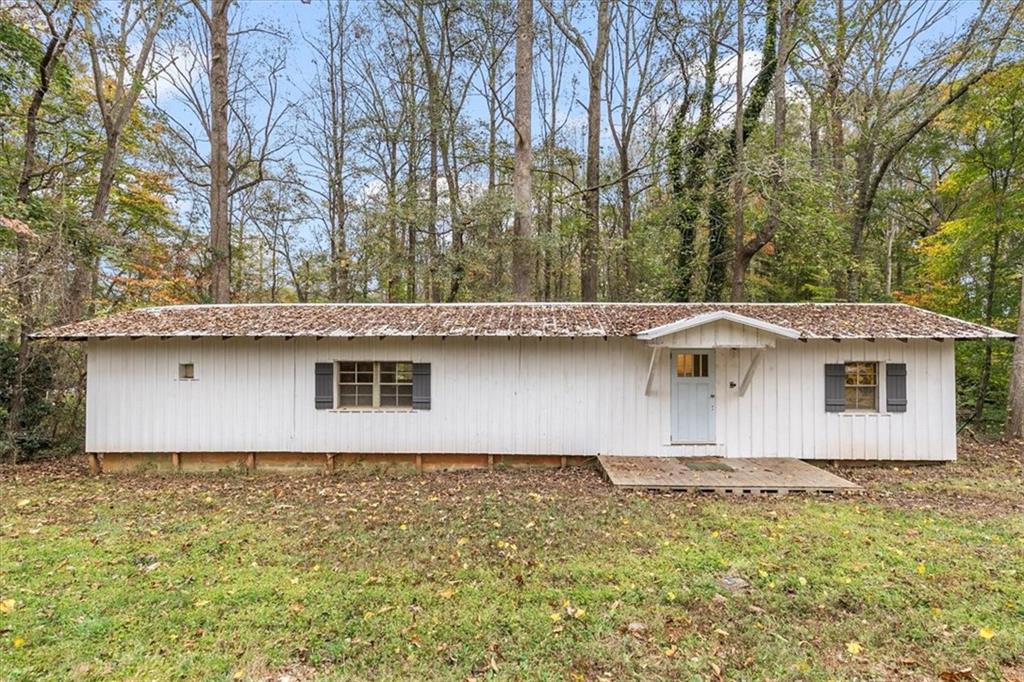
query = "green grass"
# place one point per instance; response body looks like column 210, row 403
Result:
column 506, row 575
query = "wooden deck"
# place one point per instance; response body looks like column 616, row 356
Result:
column 716, row 474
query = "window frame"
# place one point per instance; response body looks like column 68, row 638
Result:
column 876, row 386
column 375, row 383
column 182, row 371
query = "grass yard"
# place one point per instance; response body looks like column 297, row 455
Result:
column 510, row 575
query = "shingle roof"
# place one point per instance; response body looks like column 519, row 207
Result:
column 810, row 320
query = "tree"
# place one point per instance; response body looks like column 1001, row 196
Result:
column 747, row 248
column 1015, row 416
column 745, row 123
column 594, row 61
column 522, row 221
column 238, row 112
column 48, row 61
column 327, row 137
column 220, row 217
column 119, row 78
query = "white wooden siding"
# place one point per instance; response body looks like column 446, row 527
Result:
column 506, row 396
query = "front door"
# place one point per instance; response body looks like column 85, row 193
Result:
column 693, row 396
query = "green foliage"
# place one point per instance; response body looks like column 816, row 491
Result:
column 35, row 433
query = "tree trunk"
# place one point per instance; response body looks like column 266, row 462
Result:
column 718, row 238
column 747, row 250
column 688, row 175
column 591, row 245
column 220, row 216
column 522, row 190
column 1015, row 416
column 739, row 269
column 985, row 378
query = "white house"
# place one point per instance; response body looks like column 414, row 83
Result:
column 304, row 384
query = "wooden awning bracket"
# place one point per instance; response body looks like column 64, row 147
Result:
column 754, row 362
column 650, row 369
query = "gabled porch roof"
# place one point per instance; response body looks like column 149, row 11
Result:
column 717, row 316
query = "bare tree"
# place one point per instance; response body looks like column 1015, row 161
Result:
column 594, row 61
column 216, row 21
column 327, row 136
column 549, row 84
column 522, row 220
column 635, row 70
column 238, row 111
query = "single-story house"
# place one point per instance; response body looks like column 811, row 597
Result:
column 484, row 382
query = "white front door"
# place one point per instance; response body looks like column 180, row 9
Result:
column 693, row 396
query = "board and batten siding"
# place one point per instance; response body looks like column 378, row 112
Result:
column 581, row 396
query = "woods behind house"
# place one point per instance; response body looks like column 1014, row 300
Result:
column 155, row 152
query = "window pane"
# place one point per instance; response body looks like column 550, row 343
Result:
column 347, row 366
column 684, row 365
column 404, row 370
column 866, row 400
column 347, row 377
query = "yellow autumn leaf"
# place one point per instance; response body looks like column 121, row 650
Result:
column 920, row 569
column 555, row 617
column 24, row 503
column 854, row 647
column 447, row 593
column 7, row 605
column 802, row 580
column 18, row 642
column 671, row 596
column 986, row 633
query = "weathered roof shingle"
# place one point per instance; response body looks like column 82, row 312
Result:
column 810, row 320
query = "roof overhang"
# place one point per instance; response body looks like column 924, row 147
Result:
column 717, row 316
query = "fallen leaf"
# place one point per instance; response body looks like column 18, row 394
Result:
column 986, row 633
column 854, row 647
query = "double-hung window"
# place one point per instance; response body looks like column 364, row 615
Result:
column 861, row 387
column 374, row 385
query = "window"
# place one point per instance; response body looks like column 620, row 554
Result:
column 692, row 365
column 186, row 371
column 861, row 388
column 374, row 384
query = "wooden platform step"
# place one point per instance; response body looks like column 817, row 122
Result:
column 739, row 476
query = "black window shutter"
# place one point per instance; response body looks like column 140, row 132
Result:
column 421, row 385
column 324, row 385
column 896, row 387
column 835, row 388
